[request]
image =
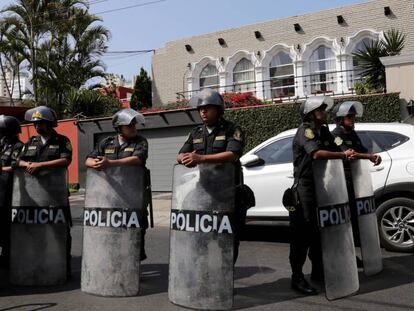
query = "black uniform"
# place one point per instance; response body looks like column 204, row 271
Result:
column 225, row 136
column 303, row 220
column 112, row 149
column 55, row 148
column 348, row 139
column 9, row 152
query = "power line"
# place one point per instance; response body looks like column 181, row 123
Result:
column 129, row 52
column 130, row 7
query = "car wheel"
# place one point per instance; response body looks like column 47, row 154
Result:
column 396, row 224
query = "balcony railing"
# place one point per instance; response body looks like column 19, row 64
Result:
column 288, row 88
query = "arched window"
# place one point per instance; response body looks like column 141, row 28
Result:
column 243, row 76
column 209, row 77
column 322, row 68
column 359, row 47
column 281, row 75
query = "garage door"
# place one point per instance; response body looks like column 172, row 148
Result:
column 164, row 145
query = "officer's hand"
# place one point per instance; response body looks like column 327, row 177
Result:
column 191, row 159
column 376, row 159
column 350, row 154
column 101, row 163
column 33, row 167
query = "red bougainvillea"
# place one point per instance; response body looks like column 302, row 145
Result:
column 237, row 100
column 231, row 100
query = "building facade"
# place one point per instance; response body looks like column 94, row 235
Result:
column 282, row 59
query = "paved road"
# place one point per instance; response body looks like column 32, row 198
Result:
column 261, row 278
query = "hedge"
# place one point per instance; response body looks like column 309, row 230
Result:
column 261, row 123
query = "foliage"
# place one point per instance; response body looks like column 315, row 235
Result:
column 236, row 100
column 261, row 123
column 59, row 42
column 368, row 58
column 142, row 96
column 89, row 103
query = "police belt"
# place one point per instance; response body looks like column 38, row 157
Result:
column 202, row 221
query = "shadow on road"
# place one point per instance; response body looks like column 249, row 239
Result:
column 35, row 306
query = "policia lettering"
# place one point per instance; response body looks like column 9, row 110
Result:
column 334, row 215
column 365, row 206
column 38, row 215
column 111, row 218
column 201, row 221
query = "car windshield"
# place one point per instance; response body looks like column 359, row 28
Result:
column 277, row 152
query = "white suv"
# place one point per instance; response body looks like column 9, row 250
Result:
column 268, row 171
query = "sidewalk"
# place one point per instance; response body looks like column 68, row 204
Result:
column 161, row 206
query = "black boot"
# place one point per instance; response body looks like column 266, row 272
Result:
column 302, row 286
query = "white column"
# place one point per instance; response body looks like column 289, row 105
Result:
column 223, row 81
column 192, row 86
column 262, row 90
column 300, row 71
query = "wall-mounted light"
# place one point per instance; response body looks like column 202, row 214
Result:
column 387, row 11
column 222, row 59
column 258, row 54
column 340, row 19
column 221, row 41
column 189, row 66
column 258, row 34
column 188, row 48
column 342, row 40
column 297, row 27
column 298, row 48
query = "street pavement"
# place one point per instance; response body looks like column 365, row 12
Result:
column 261, row 276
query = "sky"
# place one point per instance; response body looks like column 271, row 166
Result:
column 152, row 23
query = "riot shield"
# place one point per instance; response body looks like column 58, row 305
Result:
column 39, row 229
column 5, row 196
column 114, row 205
column 367, row 219
column 338, row 252
column 202, row 237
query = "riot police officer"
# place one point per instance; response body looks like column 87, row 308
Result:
column 125, row 148
column 47, row 149
column 10, row 147
column 345, row 135
column 216, row 141
column 312, row 141
column 346, row 138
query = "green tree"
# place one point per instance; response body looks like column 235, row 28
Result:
column 142, row 96
column 368, row 58
column 89, row 103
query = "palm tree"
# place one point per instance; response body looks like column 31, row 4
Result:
column 368, row 58
column 28, row 18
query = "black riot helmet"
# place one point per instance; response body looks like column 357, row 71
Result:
column 127, row 116
column 9, row 126
column 348, row 108
column 41, row 114
column 208, row 97
column 313, row 103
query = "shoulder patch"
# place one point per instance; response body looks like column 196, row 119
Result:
column 309, row 134
column 237, row 134
column 69, row 146
column 338, row 141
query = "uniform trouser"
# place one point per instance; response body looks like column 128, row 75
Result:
column 304, row 234
column 144, row 228
column 239, row 224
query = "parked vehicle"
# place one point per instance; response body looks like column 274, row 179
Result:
column 268, row 171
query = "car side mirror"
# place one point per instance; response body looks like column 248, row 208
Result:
column 251, row 160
